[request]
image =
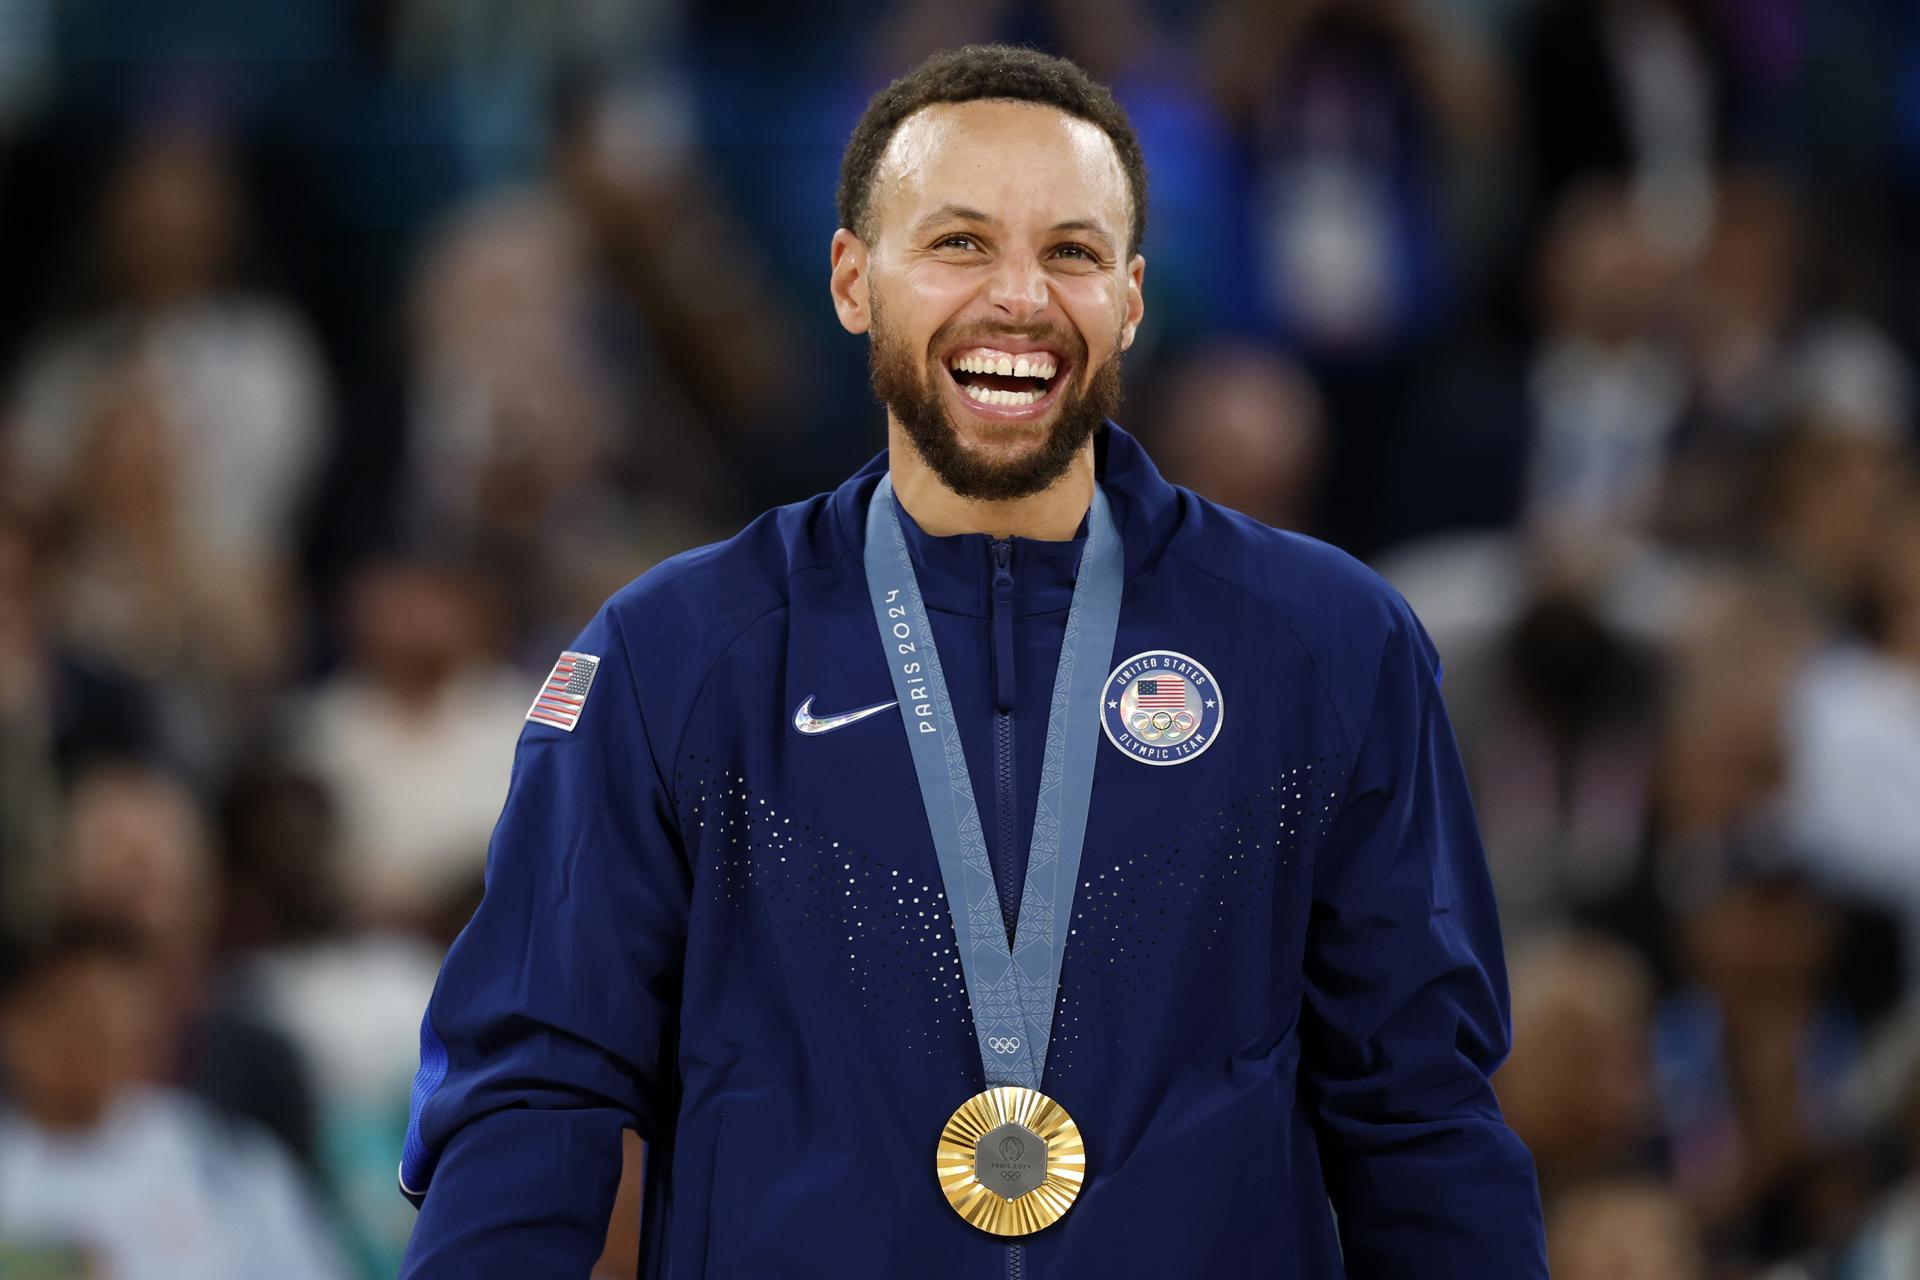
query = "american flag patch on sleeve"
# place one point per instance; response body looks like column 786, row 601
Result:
column 564, row 696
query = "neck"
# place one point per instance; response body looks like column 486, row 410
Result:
column 1052, row 515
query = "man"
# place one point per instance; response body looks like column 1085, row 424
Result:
column 1005, row 865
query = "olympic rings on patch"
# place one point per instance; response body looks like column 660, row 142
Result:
column 1162, row 725
column 1003, row 1044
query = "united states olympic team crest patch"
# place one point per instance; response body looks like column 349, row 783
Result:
column 1161, row 707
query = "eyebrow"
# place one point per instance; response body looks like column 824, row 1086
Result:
column 953, row 213
column 1089, row 226
column 962, row 213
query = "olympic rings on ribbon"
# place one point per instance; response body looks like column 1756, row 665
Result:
column 1003, row 1044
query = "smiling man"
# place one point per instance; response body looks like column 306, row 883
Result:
column 1006, row 865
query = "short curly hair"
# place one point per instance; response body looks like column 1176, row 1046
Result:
column 973, row 73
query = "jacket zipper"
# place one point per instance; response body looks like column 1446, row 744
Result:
column 1007, row 810
column 1003, row 696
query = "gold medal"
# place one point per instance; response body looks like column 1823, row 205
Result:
column 1010, row 1161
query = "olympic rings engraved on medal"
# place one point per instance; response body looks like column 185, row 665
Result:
column 1003, row 1044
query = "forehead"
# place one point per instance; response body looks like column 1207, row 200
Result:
column 1017, row 161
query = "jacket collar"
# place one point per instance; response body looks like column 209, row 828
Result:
column 956, row 572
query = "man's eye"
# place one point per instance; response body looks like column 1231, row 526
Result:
column 1078, row 250
column 956, row 239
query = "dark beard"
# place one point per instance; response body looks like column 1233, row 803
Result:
column 906, row 387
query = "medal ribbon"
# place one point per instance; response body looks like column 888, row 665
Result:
column 1012, row 991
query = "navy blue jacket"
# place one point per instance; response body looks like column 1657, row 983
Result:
column 1282, row 995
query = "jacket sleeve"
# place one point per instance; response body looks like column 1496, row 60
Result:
column 549, row 1029
column 1405, row 1011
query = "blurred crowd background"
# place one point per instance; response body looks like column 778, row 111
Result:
column 351, row 351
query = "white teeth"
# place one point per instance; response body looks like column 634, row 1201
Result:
column 1029, row 365
column 1011, row 398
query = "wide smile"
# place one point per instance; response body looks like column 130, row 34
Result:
column 1005, row 385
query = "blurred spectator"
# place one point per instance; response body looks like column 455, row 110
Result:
column 140, row 590
column 410, row 743
column 171, row 435
column 135, row 1180
column 1844, row 457
column 1632, row 1229
column 1633, row 89
column 1735, row 309
column 232, row 372
column 413, row 737
column 503, row 61
column 351, row 1001
column 1607, row 392
column 1854, row 737
column 281, row 883
column 518, row 443
column 1713, row 810
column 137, row 854
column 59, row 709
column 1242, row 426
column 1602, row 395
column 577, row 392
column 1348, row 111
column 1731, row 664
column 1557, row 724
column 1578, row 1087
column 1347, row 118
column 1752, row 1059
column 1740, row 299
column 349, row 995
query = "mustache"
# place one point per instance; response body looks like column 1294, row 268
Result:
column 1064, row 341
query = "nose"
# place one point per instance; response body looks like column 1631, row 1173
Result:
column 1018, row 288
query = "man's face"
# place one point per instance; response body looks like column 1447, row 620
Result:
column 997, row 288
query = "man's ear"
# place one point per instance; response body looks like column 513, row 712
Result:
column 1136, row 300
column 847, row 281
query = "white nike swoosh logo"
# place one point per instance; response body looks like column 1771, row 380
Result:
column 806, row 722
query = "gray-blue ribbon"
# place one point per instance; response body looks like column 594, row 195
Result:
column 1012, row 992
